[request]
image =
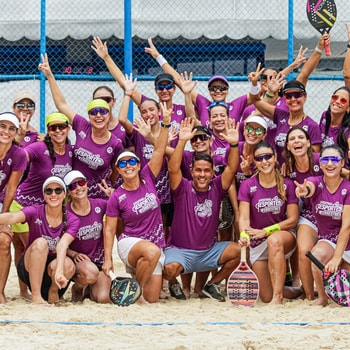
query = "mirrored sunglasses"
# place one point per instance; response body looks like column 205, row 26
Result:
column 261, row 157
column 164, row 86
column 49, row 191
column 296, row 94
column 342, row 100
column 258, row 131
column 75, row 184
column 123, row 163
column 200, row 137
column 21, row 105
column 333, row 159
column 217, row 88
column 54, row 127
column 95, row 111
column 217, row 103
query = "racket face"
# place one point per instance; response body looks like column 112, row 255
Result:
column 226, row 214
column 321, row 14
column 337, row 287
column 124, row 291
column 243, row 286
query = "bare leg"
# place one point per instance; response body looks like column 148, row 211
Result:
column 201, row 280
column 5, row 262
column 99, row 291
column 186, row 284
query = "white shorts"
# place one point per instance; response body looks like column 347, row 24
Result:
column 304, row 221
column 125, row 245
column 346, row 255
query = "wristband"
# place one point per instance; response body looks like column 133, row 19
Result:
column 165, row 125
column 318, row 50
column 308, row 189
column 129, row 95
column 269, row 95
column 244, row 234
column 348, row 45
column 254, row 90
column 161, row 60
column 234, row 145
column 271, row 229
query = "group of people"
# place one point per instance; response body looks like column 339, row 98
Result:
column 182, row 188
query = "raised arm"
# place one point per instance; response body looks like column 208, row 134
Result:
column 346, row 69
column 58, row 98
column 102, row 51
column 300, row 59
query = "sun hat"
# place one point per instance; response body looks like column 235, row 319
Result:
column 10, row 117
column 200, row 129
column 256, row 119
column 294, row 85
column 72, row 175
column 218, row 77
column 164, row 77
column 127, row 154
column 57, row 117
column 98, row 102
column 21, row 95
column 56, row 180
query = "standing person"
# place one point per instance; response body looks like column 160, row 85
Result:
column 268, row 216
column 330, row 201
column 12, row 164
column 96, row 149
column 53, row 156
column 141, row 244
column 192, row 243
column 87, row 249
column 300, row 163
column 44, row 266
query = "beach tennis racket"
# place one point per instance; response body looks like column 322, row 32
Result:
column 226, row 214
column 124, row 290
column 336, row 285
column 243, row 285
column 322, row 15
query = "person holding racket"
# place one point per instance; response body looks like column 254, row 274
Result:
column 268, row 216
column 329, row 196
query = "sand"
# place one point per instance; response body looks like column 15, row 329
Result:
column 170, row 324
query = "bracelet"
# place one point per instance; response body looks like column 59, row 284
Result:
column 165, row 125
column 129, row 95
column 348, row 45
column 269, row 95
column 244, row 234
column 318, row 50
column 308, row 189
column 161, row 60
column 271, row 229
column 254, row 90
column 234, row 145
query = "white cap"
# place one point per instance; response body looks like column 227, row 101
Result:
column 127, row 154
column 56, row 180
column 72, row 175
column 256, row 119
column 22, row 95
column 10, row 117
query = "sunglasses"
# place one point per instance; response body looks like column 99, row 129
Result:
column 21, row 105
column 57, row 126
column 57, row 190
column 200, row 137
column 296, row 94
column 266, row 156
column 333, row 159
column 123, row 163
column 164, row 86
column 217, row 103
column 265, row 77
column 101, row 110
column 217, row 88
column 108, row 99
column 258, row 131
column 342, row 100
column 75, row 184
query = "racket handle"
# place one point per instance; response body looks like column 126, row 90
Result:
column 327, row 49
column 112, row 275
column 315, row 261
column 244, row 253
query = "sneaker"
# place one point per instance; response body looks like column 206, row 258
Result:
column 213, row 291
column 176, row 291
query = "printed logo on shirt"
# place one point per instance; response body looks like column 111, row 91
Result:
column 109, row 150
column 280, row 139
column 2, row 177
column 220, row 151
column 85, row 156
column 90, row 232
column 122, row 197
column 149, row 202
column 98, row 210
column 316, row 168
column 179, row 112
column 333, row 210
column 82, row 134
column 61, row 170
column 269, row 205
column 305, row 127
column 326, row 140
column 253, row 189
column 344, row 191
column 147, row 151
column 283, row 121
column 204, row 209
column 26, row 139
column 9, row 161
column 51, row 242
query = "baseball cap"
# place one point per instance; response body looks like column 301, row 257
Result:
column 10, row 117
column 127, row 154
column 256, row 119
column 200, row 129
column 56, row 180
column 72, row 175
column 23, row 95
column 218, row 77
column 164, row 77
column 294, row 85
column 57, row 117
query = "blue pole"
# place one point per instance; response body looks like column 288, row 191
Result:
column 128, row 47
column 42, row 76
column 290, row 32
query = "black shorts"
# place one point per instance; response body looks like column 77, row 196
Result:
column 23, row 274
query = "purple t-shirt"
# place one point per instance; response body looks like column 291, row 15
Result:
column 220, row 150
column 14, row 160
column 39, row 227
column 186, row 164
column 29, row 138
column 92, row 159
column 30, row 192
column 89, row 239
column 119, row 132
column 332, row 135
column 240, row 174
column 281, row 119
column 196, row 215
column 236, row 108
column 139, row 209
column 266, row 205
column 328, row 208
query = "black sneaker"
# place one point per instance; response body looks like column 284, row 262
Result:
column 213, row 291
column 176, row 291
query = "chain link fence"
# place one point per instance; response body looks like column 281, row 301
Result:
column 200, row 36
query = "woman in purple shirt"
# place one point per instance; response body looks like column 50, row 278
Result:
column 268, row 216
column 330, row 201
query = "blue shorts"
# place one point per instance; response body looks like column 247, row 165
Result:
column 196, row 260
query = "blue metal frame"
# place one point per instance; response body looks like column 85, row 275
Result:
column 42, row 76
